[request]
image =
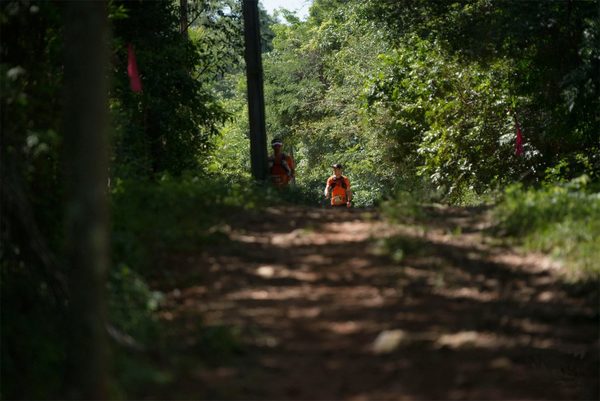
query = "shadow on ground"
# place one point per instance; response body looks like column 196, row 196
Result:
column 305, row 294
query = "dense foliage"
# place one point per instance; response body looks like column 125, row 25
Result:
column 429, row 94
column 493, row 62
column 166, row 129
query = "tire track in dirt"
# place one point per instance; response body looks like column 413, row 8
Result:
column 307, row 294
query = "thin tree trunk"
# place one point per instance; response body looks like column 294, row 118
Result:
column 256, row 99
column 86, row 152
column 183, row 17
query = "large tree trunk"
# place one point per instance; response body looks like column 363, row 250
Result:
column 86, row 146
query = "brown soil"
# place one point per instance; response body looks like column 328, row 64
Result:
column 301, row 303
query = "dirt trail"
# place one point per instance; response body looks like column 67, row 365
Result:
column 307, row 296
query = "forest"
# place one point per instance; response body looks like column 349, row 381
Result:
column 141, row 259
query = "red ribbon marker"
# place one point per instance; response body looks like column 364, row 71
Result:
column 134, row 77
column 519, row 141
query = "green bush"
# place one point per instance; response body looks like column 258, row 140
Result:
column 561, row 219
column 131, row 305
column 174, row 214
column 403, row 208
column 135, row 330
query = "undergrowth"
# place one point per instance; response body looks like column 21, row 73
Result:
column 561, row 219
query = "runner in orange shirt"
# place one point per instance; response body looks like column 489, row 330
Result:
column 282, row 169
column 338, row 188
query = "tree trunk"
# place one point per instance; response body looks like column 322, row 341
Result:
column 256, row 99
column 86, row 147
column 183, row 17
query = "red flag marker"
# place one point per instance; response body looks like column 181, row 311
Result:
column 134, row 77
column 519, row 142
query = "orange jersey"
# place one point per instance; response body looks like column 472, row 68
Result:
column 280, row 169
column 339, row 188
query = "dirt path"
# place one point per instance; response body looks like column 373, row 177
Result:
column 303, row 306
